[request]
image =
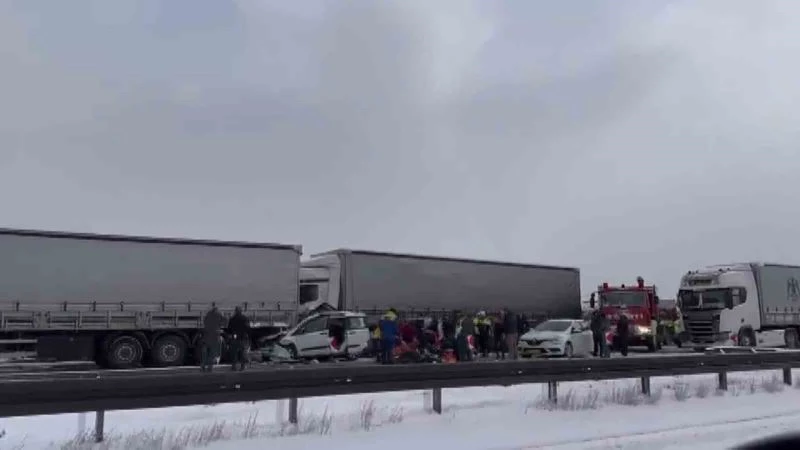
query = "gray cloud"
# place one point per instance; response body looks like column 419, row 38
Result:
column 627, row 140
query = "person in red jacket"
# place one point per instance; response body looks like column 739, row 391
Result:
column 407, row 333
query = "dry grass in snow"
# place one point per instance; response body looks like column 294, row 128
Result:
column 369, row 416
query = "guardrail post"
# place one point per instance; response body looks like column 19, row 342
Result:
column 293, row 410
column 552, row 391
column 99, row 422
column 787, row 376
column 723, row 381
column 646, row 386
column 437, row 400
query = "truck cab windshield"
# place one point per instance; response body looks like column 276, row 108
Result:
column 623, row 298
column 705, row 299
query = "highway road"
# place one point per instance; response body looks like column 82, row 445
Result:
column 11, row 372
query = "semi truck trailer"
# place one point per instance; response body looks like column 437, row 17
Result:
column 747, row 304
column 127, row 301
column 372, row 282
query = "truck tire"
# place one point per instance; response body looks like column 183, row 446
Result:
column 124, row 352
column 169, row 351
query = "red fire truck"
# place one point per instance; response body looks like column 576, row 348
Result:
column 640, row 303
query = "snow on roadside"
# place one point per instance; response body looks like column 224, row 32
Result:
column 466, row 411
column 669, row 424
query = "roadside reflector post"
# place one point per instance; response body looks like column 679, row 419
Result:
column 437, row 400
column 552, row 391
column 787, row 376
column 293, row 410
column 99, row 423
column 723, row 381
column 646, row 386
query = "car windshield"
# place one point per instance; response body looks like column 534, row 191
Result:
column 704, row 299
column 624, row 298
column 553, row 325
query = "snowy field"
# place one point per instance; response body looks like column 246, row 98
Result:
column 684, row 412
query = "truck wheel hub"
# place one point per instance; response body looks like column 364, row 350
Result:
column 125, row 353
column 169, row 352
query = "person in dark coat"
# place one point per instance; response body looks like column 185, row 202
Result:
column 448, row 334
column 462, row 340
column 239, row 328
column 623, row 332
column 500, row 336
column 598, row 333
column 210, row 344
column 389, row 331
column 511, row 324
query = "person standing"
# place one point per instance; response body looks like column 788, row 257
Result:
column 389, row 329
column 511, row 325
column 598, row 333
column 210, row 345
column 239, row 327
column 623, row 332
column 483, row 326
column 500, row 336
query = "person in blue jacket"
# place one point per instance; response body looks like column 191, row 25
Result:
column 389, row 330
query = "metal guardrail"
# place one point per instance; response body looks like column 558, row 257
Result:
column 53, row 395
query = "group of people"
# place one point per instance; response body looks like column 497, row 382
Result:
column 452, row 336
column 600, row 327
column 238, row 327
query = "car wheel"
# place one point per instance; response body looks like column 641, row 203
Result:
column 747, row 339
column 293, row 353
column 568, row 350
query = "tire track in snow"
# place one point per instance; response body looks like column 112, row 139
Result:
column 637, row 440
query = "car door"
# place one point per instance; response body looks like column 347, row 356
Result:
column 357, row 336
column 581, row 338
column 313, row 339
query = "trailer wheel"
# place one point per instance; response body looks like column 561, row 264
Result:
column 169, row 350
column 124, row 352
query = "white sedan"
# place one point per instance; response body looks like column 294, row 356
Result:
column 562, row 337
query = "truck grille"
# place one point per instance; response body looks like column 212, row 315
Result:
column 703, row 327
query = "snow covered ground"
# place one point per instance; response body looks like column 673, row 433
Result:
column 685, row 412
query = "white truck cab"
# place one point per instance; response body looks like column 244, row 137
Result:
column 743, row 304
column 319, row 284
column 328, row 334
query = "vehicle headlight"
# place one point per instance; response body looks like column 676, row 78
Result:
column 641, row 329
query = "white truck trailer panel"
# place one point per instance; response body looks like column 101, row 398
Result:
column 62, row 272
column 779, row 291
column 376, row 281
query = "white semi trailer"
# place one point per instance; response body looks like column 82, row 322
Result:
column 126, row 301
column 747, row 304
column 418, row 285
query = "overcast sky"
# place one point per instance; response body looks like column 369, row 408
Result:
column 622, row 137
